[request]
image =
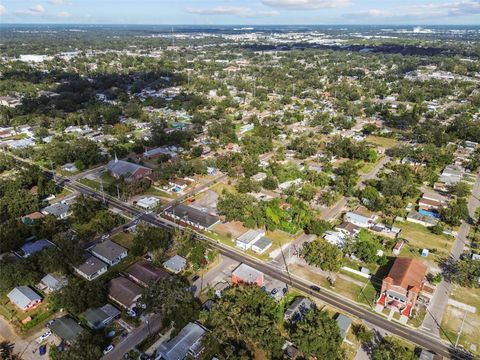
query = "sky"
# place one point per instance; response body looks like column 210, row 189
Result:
column 248, row 12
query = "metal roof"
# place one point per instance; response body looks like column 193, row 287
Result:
column 22, row 296
column 187, row 341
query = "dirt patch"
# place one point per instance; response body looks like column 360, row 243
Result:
column 233, row 228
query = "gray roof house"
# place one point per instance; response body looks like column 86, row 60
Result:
column 344, row 323
column 129, row 171
column 24, row 298
column 192, row 216
column 100, row 317
column 66, row 329
column 51, row 283
column 91, row 268
column 187, row 343
column 175, row 264
column 109, row 252
column 59, row 210
column 124, row 292
column 261, row 245
column 246, row 240
column 298, row 308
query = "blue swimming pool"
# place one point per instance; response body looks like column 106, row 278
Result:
column 429, row 213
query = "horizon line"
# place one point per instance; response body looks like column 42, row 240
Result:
column 250, row 25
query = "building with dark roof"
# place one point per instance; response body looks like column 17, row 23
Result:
column 109, row 252
column 100, row 317
column 129, row 171
column 344, row 323
column 66, row 329
column 191, row 216
column 144, row 273
column 402, row 285
column 124, row 292
column 298, row 308
column 91, row 268
column 33, row 247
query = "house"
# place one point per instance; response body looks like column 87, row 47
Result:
column 148, row 203
column 60, row 210
column 66, row 329
column 109, row 252
column 178, row 185
column 30, row 219
column 127, row 170
column 435, row 196
column 344, row 323
column 187, row 344
column 336, row 238
column 99, row 318
column 191, row 216
column 124, row 292
column 10, row 101
column 430, row 205
column 417, row 218
column 402, row 285
column 297, row 309
column 144, row 273
column 398, row 247
column 175, row 264
column 261, row 245
column 258, row 177
column 246, row 240
column 248, row 275
column 33, row 247
column 358, row 220
column 51, row 283
column 158, row 152
column 288, row 184
column 452, row 174
column 70, row 167
column 24, row 298
column 246, row 128
column 91, row 268
column 348, row 229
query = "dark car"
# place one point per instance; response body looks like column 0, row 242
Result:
column 315, row 288
column 195, row 278
column 42, row 350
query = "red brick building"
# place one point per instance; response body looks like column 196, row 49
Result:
column 401, row 287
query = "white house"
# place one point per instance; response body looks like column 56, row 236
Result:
column 357, row 219
column 246, row 240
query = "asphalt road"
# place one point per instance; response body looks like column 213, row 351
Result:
column 439, row 302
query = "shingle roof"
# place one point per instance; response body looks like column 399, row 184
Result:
column 95, row 317
column 407, row 273
column 124, row 291
column 22, row 296
column 188, row 213
column 144, row 272
column 66, row 328
column 108, row 249
column 124, row 168
column 31, row 248
column 57, row 209
column 91, row 265
column 188, row 340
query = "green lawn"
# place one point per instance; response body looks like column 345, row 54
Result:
column 382, row 141
column 124, row 239
column 422, row 238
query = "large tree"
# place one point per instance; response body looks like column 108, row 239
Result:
column 247, row 314
column 390, row 349
column 318, row 335
column 320, row 253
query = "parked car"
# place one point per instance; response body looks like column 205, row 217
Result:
column 108, row 349
column 315, row 288
column 195, row 278
column 42, row 350
column 44, row 336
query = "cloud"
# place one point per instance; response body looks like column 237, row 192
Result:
column 230, row 10
column 306, row 4
column 3, row 10
column 37, row 9
column 425, row 11
column 56, row 2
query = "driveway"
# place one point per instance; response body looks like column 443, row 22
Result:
column 218, row 273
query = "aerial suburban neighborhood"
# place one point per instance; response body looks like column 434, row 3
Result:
column 230, row 192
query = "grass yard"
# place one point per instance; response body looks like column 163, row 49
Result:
column 219, row 187
column 90, row 183
column 382, row 141
column 124, row 239
column 420, row 237
column 451, row 324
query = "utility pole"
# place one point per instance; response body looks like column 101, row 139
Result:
column 461, row 329
column 101, row 189
column 53, row 171
column 254, row 86
column 285, row 262
column 118, row 193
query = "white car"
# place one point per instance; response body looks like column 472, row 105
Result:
column 44, row 336
column 108, row 349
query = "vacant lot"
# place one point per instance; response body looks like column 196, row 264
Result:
column 382, row 141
